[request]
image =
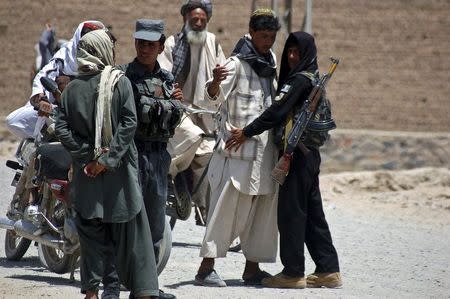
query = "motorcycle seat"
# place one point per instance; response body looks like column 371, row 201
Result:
column 52, row 161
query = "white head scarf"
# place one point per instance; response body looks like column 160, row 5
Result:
column 68, row 51
column 94, row 53
column 63, row 61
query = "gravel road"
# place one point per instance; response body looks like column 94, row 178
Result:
column 387, row 250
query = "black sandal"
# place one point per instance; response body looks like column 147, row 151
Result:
column 257, row 278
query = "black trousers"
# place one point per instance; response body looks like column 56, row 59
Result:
column 154, row 163
column 129, row 243
column 301, row 219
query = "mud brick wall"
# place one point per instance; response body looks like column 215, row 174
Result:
column 395, row 54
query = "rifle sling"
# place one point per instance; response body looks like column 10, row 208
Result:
column 287, row 129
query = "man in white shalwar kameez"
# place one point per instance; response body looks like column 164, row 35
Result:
column 22, row 121
column 243, row 195
column 191, row 55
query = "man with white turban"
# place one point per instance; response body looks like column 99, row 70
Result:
column 22, row 121
column 191, row 55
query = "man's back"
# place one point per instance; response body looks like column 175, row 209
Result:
column 79, row 104
column 120, row 197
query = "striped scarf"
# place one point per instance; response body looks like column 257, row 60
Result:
column 180, row 54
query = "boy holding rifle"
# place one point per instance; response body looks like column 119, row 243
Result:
column 300, row 213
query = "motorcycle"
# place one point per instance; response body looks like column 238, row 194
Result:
column 181, row 188
column 41, row 213
column 40, row 210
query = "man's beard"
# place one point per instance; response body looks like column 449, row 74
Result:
column 195, row 37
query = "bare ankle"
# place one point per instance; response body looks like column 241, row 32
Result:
column 206, row 265
column 251, row 268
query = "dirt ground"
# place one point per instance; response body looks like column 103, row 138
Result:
column 390, row 229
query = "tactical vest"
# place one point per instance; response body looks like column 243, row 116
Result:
column 158, row 115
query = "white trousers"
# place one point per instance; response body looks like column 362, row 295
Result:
column 21, row 122
column 252, row 218
column 188, row 148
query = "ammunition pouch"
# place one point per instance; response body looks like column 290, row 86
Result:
column 316, row 131
column 158, row 118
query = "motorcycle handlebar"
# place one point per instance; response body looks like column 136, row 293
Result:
column 50, row 85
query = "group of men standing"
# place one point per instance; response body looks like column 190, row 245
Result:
column 122, row 151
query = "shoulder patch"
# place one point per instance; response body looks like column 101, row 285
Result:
column 285, row 89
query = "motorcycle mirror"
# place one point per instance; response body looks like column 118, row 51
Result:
column 50, row 85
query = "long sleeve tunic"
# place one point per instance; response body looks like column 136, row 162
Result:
column 114, row 195
column 242, row 99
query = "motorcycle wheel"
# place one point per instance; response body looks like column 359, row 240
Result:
column 15, row 246
column 165, row 249
column 183, row 203
column 56, row 260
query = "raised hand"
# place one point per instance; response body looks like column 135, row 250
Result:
column 220, row 73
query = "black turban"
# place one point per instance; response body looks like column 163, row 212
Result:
column 190, row 5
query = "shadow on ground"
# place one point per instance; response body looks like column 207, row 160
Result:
column 185, row 245
column 34, row 266
column 57, row 281
column 31, row 263
column 229, row 282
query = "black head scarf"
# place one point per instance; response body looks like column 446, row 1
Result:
column 308, row 56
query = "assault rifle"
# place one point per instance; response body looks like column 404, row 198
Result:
column 308, row 108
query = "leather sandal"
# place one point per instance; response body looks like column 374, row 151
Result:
column 256, row 278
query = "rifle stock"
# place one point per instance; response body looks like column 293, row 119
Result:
column 281, row 170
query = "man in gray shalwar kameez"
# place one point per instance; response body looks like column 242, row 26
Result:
column 96, row 124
